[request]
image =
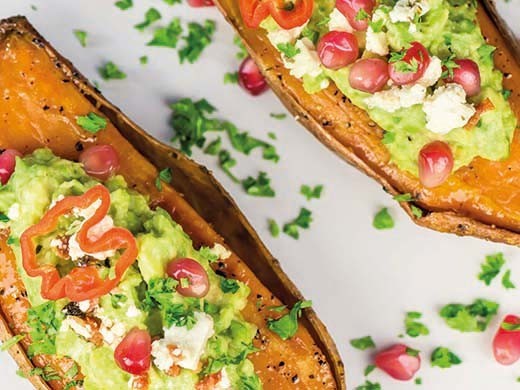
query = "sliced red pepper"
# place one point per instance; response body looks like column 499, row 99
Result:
column 81, row 283
column 287, row 13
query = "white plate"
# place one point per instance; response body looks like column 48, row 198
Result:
column 361, row 280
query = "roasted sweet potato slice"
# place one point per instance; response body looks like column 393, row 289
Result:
column 42, row 94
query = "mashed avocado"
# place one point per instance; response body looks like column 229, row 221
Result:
column 42, row 178
column 448, row 29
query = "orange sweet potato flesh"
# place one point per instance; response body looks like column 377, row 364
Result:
column 39, row 109
column 481, row 199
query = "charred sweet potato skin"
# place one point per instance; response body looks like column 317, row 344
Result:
column 481, row 199
column 42, row 96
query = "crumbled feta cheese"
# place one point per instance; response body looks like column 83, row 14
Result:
column 83, row 330
column 397, row 97
column 221, row 251
column 14, row 212
column 183, row 346
column 84, row 306
column 224, row 383
column 285, row 36
column 132, row 311
column 376, row 43
column 112, row 331
column 447, row 109
column 408, row 10
column 433, row 72
column 338, row 22
column 305, row 62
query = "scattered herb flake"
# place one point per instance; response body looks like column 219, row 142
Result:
column 404, row 198
column 231, row 78
column 311, row 193
column 227, row 162
column 383, row 220
column 369, row 386
column 230, row 286
column 143, row 60
column 242, row 53
column 167, row 36
column 287, row 325
column 418, row 381
column 369, row 369
column 491, row 268
column 92, row 122
column 111, row 71
column 288, row 49
column 362, row 15
column 279, row 116
column 271, row 135
column 413, row 327
column 81, row 36
column 363, row 343
column 124, row 4
column 4, row 218
column 474, row 317
column 506, row 280
column 151, row 16
column 412, row 352
column 172, row 2
column 199, row 36
column 416, row 211
column 164, row 176
column 274, row 229
column 444, row 358
column 214, row 147
column 303, row 220
column 388, row 137
column 261, row 186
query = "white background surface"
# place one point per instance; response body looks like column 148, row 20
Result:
column 361, row 280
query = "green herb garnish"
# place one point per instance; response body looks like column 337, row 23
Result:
column 167, row 36
column 369, row 369
column 413, row 327
column 151, row 16
column 383, row 220
column 287, row 325
column 288, row 49
column 442, row 357
column 44, row 322
column 231, row 78
column 274, row 229
column 81, row 36
column 230, row 286
column 143, row 60
column 242, row 51
column 117, row 300
column 124, row 4
column 261, row 186
column 506, row 280
column 199, row 36
column 164, row 176
column 227, row 162
column 214, row 147
column 92, row 122
column 362, row 15
column 311, row 193
column 179, row 315
column 491, row 268
column 474, row 317
column 278, row 116
column 369, row 386
column 363, row 343
column 303, row 220
column 111, row 71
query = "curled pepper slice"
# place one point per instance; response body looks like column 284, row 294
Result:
column 82, row 283
column 287, row 13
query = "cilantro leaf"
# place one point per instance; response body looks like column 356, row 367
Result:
column 369, row 386
column 377, row 26
column 415, row 328
column 208, row 254
column 278, row 116
column 362, row 15
column 178, row 314
column 164, row 176
column 274, row 229
column 486, row 53
column 418, row 381
column 261, row 186
column 244, row 143
column 227, row 162
column 310, row 192
column 167, row 36
column 110, row 71
column 124, row 4
column 388, row 137
column 491, row 268
column 4, row 218
column 231, row 78
column 12, row 341
column 303, row 220
column 213, row 147
column 151, row 16
column 369, row 369
column 44, row 322
column 242, row 51
column 506, row 280
column 363, row 343
column 229, row 286
column 383, row 220
column 506, row 93
column 412, row 352
column 117, row 300
column 92, row 122
column 287, row 325
column 442, row 357
column 288, row 49
column 143, row 60
column 403, row 198
column 172, row 2
column 416, row 211
column 474, row 317
column 199, row 36
column 159, row 293
column 81, row 36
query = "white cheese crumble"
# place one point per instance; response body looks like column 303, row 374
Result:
column 224, row 383
column 285, row 36
column 132, row 311
column 14, row 212
column 112, row 331
column 305, row 62
column 338, row 22
column 408, row 10
column 376, row 43
column 221, row 251
column 183, row 346
column 447, row 109
column 84, row 306
column 83, row 330
column 393, row 99
column 432, row 74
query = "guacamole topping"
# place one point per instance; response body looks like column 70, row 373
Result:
column 431, row 109
column 194, row 338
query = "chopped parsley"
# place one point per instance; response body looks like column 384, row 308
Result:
column 311, row 193
column 288, row 49
column 12, row 341
column 383, row 220
column 13, row 240
column 4, row 218
column 444, row 358
column 229, row 286
column 506, row 93
column 287, row 325
column 486, row 53
column 271, row 135
column 167, row 36
column 274, row 229
column 172, row 2
column 44, row 322
column 363, row 343
column 227, row 162
column 111, row 71
column 159, row 293
column 199, row 36
column 474, row 317
column 303, row 220
column 177, row 314
column 124, row 4
column 362, row 15
column 278, row 116
column 369, row 386
column 506, row 280
column 369, row 369
column 404, row 198
column 117, row 300
column 418, row 381
column 151, row 16
column 413, row 327
column 143, row 60
column 416, row 211
column 164, row 176
column 92, row 122
column 231, row 78
column 81, row 36
column 242, row 51
column 261, row 186
column 448, row 65
column 208, row 254
column 214, row 147
column 491, row 268
column 377, row 26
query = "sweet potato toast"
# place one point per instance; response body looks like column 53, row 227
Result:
column 42, row 96
column 480, row 199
